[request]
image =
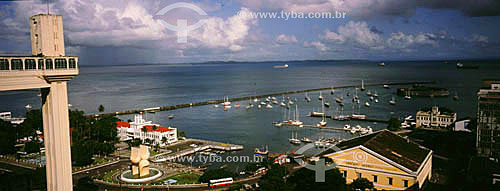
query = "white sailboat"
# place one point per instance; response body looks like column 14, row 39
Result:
column 323, row 122
column 393, row 101
column 407, row 96
column 297, row 121
column 320, row 97
column 367, row 104
column 294, row 139
column 363, row 85
column 308, row 99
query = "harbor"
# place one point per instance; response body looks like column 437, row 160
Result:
column 236, row 99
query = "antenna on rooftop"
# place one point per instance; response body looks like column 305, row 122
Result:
column 48, row 7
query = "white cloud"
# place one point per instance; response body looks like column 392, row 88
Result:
column 477, row 38
column 229, row 33
column 286, row 39
column 356, row 33
column 401, row 40
column 316, row 44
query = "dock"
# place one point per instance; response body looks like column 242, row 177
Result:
column 353, row 118
column 211, row 102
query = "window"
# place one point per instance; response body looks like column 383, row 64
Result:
column 4, row 64
column 48, row 63
column 345, row 173
column 390, row 181
column 375, row 178
column 359, row 175
column 29, row 64
column 40, row 64
column 61, row 63
column 17, row 64
column 405, row 183
column 72, row 63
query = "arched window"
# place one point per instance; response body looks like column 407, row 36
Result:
column 61, row 63
column 72, row 63
column 4, row 64
column 17, row 64
column 48, row 64
column 29, row 64
column 40, row 64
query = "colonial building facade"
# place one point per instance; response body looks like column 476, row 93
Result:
column 435, row 118
column 144, row 130
column 388, row 160
column 488, row 119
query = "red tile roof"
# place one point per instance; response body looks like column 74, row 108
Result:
column 122, row 124
column 158, row 128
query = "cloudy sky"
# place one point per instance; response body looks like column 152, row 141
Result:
column 128, row 32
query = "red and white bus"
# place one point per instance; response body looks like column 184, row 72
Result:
column 221, row 182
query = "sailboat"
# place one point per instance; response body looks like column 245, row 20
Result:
column 308, row 99
column 367, row 104
column 326, row 104
column 363, row 85
column 323, row 122
column 375, row 94
column 320, row 97
column 393, row 101
column 456, row 97
column 369, row 93
column 227, row 103
column 333, row 91
column 407, row 96
column 306, row 140
column 297, row 122
column 294, row 139
column 386, row 86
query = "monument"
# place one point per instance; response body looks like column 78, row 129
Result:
column 139, row 157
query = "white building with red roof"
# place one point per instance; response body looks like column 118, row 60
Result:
column 155, row 132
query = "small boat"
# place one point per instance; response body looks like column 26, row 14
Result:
column 226, row 102
column 306, row 140
column 338, row 100
column 320, row 97
column 375, row 94
column 275, row 102
column 282, row 104
column 456, row 97
column 381, row 64
column 237, row 106
column 357, row 101
column 262, row 103
column 308, row 99
column 255, row 100
column 281, row 66
column 248, row 106
column 363, row 85
column 371, row 98
column 321, row 124
column 348, row 94
column 386, row 86
column 332, row 92
column 69, row 105
column 277, row 124
column 262, row 151
column 28, row 106
column 367, row 104
column 294, row 140
column 259, row 106
column 290, row 102
column 269, row 106
column 273, row 98
column 376, row 100
column 393, row 101
column 327, row 104
column 171, row 116
column 341, row 104
column 369, row 93
column 216, row 106
column 347, row 127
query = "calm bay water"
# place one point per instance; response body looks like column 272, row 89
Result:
column 121, row 88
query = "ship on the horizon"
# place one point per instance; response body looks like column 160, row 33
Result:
column 281, row 66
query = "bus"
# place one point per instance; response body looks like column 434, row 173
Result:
column 221, row 182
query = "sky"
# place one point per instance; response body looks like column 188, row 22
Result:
column 130, row 32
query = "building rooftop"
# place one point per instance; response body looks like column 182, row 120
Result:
column 390, row 146
column 149, row 128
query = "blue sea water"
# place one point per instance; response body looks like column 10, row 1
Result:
column 120, row 88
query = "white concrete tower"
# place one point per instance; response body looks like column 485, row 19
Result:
column 48, row 69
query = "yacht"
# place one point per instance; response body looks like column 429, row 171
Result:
column 371, row 98
column 290, row 102
column 269, row 106
column 259, row 106
column 367, row 104
column 171, row 116
column 382, row 64
column 216, row 106
column 323, row 122
column 255, row 100
column 281, row 66
column 306, row 140
column 296, row 122
column 327, row 104
column 375, row 94
column 273, row 98
column 28, row 106
column 386, row 86
column 376, row 100
column 282, row 104
column 275, row 102
column 320, row 97
column 338, row 100
column 369, row 93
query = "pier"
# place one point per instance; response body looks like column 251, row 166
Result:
column 211, row 102
column 352, row 118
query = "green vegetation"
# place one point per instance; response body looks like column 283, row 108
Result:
column 361, row 184
column 394, row 124
column 32, row 147
column 100, row 108
column 181, row 134
column 108, row 177
column 7, row 141
column 274, row 179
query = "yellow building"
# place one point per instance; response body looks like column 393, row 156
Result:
column 388, row 160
